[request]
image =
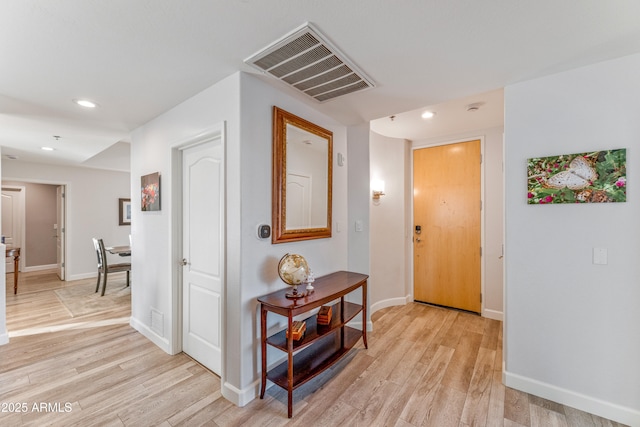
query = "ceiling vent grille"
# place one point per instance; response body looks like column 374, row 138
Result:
column 308, row 62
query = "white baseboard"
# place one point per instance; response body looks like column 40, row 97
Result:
column 579, row 401
column 81, row 276
column 4, row 338
column 389, row 303
column 161, row 342
column 241, row 397
column 492, row 314
column 39, row 268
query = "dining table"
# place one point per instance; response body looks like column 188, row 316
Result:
column 120, row 250
column 15, row 253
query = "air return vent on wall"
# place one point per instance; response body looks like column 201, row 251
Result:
column 307, row 61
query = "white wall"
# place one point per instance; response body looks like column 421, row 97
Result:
column 259, row 258
column 92, row 208
column 492, row 193
column 244, row 104
column 572, row 327
column 155, row 239
column 390, row 279
column 356, row 160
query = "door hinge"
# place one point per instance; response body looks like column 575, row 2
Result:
column 480, row 250
column 480, row 296
column 62, row 265
column 481, row 158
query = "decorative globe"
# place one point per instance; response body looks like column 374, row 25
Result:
column 293, row 269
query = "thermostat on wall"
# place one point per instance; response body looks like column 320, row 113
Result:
column 264, row 231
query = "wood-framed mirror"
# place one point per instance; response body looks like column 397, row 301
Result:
column 302, row 179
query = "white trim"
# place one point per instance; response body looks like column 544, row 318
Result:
column 82, row 276
column 391, row 302
column 576, row 400
column 22, row 214
column 161, row 342
column 493, row 314
column 241, row 397
column 40, row 268
column 4, row 338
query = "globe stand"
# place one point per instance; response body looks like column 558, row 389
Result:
column 294, row 294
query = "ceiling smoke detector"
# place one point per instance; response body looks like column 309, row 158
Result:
column 308, row 62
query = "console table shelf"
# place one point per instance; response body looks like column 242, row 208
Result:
column 321, row 345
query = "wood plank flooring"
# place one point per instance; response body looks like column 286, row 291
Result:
column 425, row 366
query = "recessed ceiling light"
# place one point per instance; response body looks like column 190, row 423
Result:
column 85, row 103
column 428, row 114
column 46, row 148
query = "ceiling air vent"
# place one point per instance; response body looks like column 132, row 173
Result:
column 308, row 62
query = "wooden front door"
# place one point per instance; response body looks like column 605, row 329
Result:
column 447, row 212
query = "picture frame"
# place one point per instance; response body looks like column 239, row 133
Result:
column 590, row 177
column 150, row 191
column 124, row 211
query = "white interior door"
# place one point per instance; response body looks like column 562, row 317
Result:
column 12, row 221
column 203, row 207
column 60, row 227
column 298, row 201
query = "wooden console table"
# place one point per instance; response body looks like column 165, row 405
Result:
column 322, row 345
column 15, row 253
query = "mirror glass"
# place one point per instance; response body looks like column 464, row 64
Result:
column 302, row 153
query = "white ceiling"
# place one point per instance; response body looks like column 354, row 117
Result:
column 139, row 58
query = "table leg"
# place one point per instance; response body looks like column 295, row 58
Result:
column 290, row 367
column 364, row 314
column 16, row 260
column 263, row 339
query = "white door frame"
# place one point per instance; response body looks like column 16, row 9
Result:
column 22, row 212
column 61, row 230
column 213, row 133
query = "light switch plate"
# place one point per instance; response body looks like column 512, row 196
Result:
column 600, row 256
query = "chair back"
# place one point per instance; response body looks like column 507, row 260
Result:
column 100, row 253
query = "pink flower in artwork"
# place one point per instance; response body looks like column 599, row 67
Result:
column 546, row 199
column 530, row 195
column 621, row 182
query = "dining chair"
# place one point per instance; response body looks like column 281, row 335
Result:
column 104, row 268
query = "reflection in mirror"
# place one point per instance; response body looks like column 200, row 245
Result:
column 302, row 153
column 307, row 168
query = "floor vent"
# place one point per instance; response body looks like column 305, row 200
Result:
column 308, row 62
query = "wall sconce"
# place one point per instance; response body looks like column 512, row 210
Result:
column 377, row 187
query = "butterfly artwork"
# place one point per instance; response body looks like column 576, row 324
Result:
column 594, row 177
column 580, row 175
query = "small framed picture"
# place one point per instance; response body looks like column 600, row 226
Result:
column 124, row 211
column 150, row 192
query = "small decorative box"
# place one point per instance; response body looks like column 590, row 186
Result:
column 324, row 315
column 299, row 327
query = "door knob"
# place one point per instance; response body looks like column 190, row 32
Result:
column 184, row 262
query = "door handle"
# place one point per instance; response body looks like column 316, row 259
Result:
column 418, row 239
column 184, row 262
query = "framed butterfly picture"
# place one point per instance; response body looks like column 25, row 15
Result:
column 595, row 177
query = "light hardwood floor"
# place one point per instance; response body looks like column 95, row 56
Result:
column 424, row 366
